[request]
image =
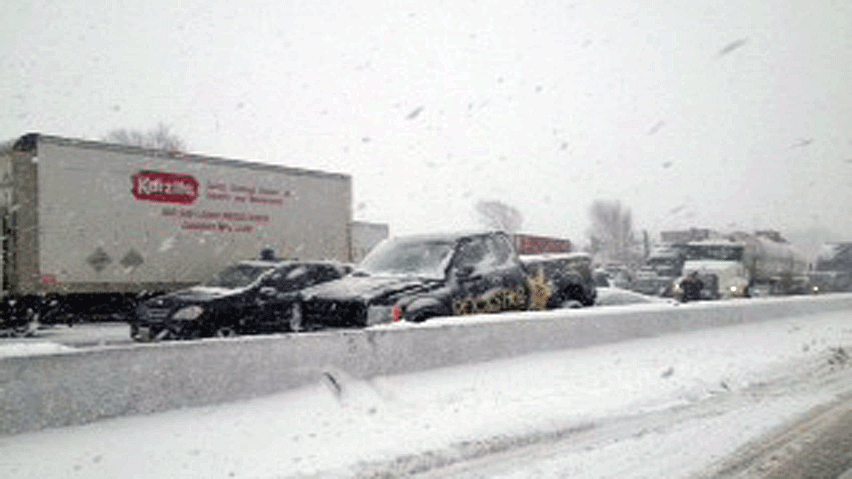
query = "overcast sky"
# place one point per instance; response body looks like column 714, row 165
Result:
column 700, row 113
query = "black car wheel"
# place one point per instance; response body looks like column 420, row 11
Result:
column 225, row 332
column 190, row 331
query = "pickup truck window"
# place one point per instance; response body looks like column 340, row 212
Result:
column 478, row 254
column 502, row 249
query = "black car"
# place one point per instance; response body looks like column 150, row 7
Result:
column 568, row 274
column 417, row 277
column 248, row 297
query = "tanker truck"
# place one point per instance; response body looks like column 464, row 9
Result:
column 744, row 265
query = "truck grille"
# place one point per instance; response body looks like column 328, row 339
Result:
column 334, row 313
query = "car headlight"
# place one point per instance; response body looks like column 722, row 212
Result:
column 733, row 289
column 189, row 312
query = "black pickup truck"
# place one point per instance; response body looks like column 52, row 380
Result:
column 414, row 278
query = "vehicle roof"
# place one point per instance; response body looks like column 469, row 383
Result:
column 29, row 142
column 442, row 237
column 276, row 264
column 555, row 256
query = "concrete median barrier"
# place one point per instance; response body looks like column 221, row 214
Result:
column 83, row 386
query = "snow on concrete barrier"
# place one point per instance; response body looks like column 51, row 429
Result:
column 83, row 386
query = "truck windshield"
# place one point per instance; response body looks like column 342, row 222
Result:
column 238, row 276
column 664, row 265
column 714, row 252
column 422, row 259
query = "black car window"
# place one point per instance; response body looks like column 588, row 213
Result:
column 238, row 276
column 288, row 278
column 322, row 273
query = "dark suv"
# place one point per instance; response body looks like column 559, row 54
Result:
column 568, row 274
column 418, row 277
column 248, row 297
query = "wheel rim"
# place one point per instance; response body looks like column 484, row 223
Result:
column 225, row 332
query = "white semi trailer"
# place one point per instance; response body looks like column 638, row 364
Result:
column 744, row 265
column 88, row 225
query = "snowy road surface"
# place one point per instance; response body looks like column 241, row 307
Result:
column 672, row 406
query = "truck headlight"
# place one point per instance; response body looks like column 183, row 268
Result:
column 188, row 313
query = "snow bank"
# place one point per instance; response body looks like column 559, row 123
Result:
column 31, row 349
column 59, row 390
column 343, row 426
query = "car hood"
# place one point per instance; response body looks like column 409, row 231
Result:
column 195, row 294
column 366, row 288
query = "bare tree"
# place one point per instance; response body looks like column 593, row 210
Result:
column 498, row 215
column 159, row 138
column 611, row 232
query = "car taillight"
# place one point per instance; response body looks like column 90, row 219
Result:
column 396, row 313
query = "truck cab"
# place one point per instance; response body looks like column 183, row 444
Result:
column 720, row 266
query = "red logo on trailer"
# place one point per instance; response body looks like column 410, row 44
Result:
column 165, row 187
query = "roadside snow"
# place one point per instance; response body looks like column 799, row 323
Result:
column 342, row 426
column 31, row 349
column 612, row 296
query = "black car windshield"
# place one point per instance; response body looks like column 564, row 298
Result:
column 238, row 276
column 424, row 259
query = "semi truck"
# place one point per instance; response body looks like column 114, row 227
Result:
column 743, row 265
column 660, row 270
column 90, row 227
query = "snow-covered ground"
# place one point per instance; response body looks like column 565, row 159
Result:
column 397, row 425
column 612, row 296
column 32, row 348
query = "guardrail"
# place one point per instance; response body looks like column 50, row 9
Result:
column 79, row 387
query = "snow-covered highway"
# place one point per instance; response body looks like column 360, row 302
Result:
column 669, row 406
